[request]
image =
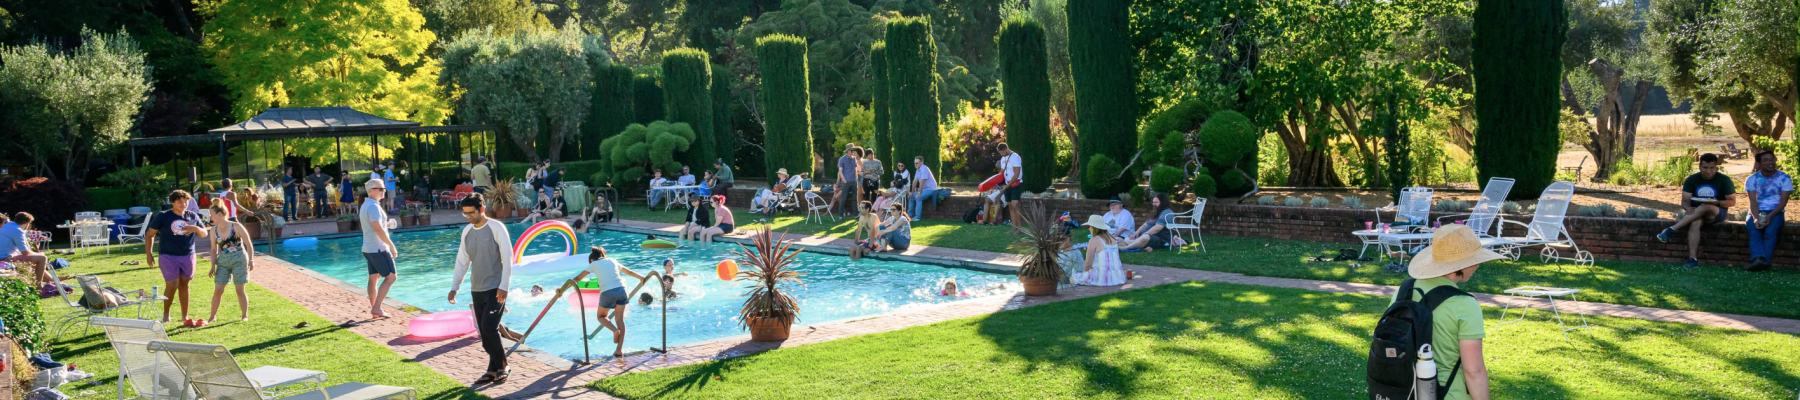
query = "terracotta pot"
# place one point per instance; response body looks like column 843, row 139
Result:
column 502, row 212
column 1038, row 286
column 255, row 229
column 346, row 226
column 422, row 220
column 770, row 329
column 406, row 221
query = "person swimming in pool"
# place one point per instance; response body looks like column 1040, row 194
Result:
column 646, row 299
column 668, row 279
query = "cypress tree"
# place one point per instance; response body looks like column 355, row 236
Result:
column 1516, row 64
column 912, row 90
column 787, row 112
column 884, row 140
column 646, row 98
column 1399, row 148
column 1025, row 77
column 1105, row 89
column 609, row 110
column 687, row 94
column 726, row 143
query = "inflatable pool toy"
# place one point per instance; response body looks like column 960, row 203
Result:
column 658, row 244
column 991, row 182
column 444, row 324
column 542, row 264
column 727, row 270
column 590, row 298
column 305, row 242
column 540, row 229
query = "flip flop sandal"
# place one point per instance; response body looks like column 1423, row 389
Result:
column 500, row 377
column 485, row 378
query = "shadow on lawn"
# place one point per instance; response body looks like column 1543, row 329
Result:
column 703, row 373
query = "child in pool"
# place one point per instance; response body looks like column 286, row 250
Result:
column 646, row 299
column 951, row 289
column 537, row 290
column 668, row 278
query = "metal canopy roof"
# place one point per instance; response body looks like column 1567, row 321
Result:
column 310, row 122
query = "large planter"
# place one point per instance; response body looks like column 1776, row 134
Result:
column 769, row 329
column 502, row 212
column 422, row 220
column 346, row 226
column 406, row 221
column 1038, row 286
column 255, row 229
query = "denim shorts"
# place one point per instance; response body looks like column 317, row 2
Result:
column 614, row 297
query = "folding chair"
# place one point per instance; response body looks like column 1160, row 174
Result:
column 154, row 375
column 215, row 375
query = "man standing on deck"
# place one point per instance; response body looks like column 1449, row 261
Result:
column 377, row 246
column 484, row 250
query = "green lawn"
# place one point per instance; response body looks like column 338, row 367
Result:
column 269, row 338
column 1216, row 340
column 1714, row 289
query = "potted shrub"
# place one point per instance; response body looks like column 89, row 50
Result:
column 421, row 217
column 502, row 199
column 769, row 311
column 406, row 218
column 347, row 223
column 1039, row 272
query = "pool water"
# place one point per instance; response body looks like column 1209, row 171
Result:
column 706, row 307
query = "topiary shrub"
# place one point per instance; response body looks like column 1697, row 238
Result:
column 24, row 320
column 1354, row 203
column 880, row 105
column 1137, row 196
column 149, row 185
column 1024, row 68
column 109, row 198
column 610, row 109
column 1236, row 179
column 50, row 201
column 912, row 58
column 646, row 98
column 1229, row 137
column 1106, row 103
column 786, row 104
column 1293, row 202
column 1641, row 212
column 1319, row 202
column 687, row 79
column 1510, row 207
column 1099, row 175
column 1202, row 187
column 1174, row 146
column 640, row 149
column 1517, row 64
column 1180, row 119
column 1165, row 179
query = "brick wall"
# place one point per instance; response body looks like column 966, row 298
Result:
column 1606, row 238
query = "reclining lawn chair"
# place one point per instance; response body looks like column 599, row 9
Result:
column 1546, row 229
column 93, row 302
column 154, row 376
column 1487, row 210
column 215, row 375
column 1414, row 205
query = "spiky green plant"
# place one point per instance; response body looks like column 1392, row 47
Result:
column 1043, row 240
column 768, row 262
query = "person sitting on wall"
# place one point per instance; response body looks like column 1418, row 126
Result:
column 1768, row 189
column 1706, row 196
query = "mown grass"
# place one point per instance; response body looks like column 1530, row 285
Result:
column 268, row 338
column 1217, row 340
column 1712, row 289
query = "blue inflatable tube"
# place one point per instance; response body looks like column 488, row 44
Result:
column 301, row 242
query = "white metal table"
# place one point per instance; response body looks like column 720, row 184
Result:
column 1549, row 294
column 677, row 193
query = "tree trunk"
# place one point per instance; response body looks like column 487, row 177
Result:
column 524, row 141
column 1310, row 167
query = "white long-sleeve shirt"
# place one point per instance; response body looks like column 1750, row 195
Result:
column 503, row 240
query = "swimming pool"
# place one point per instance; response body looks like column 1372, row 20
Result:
column 835, row 287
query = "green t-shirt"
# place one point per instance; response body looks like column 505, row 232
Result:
column 1458, row 318
column 1719, row 187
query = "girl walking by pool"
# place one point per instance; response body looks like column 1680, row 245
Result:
column 723, row 220
column 232, row 262
column 172, row 233
column 484, row 254
column 1102, row 267
column 613, row 298
column 377, row 247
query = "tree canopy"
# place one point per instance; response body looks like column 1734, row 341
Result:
column 71, row 104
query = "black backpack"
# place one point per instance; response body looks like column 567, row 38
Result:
column 1403, row 328
column 970, row 216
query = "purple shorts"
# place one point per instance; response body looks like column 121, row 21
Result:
column 175, row 267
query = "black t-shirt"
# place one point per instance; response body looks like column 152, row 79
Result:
column 1718, row 188
column 287, row 184
column 170, row 242
column 553, row 179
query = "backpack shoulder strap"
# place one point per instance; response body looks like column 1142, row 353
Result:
column 1432, row 299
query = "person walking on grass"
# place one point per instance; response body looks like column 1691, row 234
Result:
column 484, row 253
column 613, row 297
column 377, row 246
column 232, row 262
column 1456, row 323
column 1706, row 196
column 1768, row 189
column 1014, row 169
column 172, row 233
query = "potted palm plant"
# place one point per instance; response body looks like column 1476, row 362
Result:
column 1042, row 242
column 347, row 223
column 769, row 310
column 502, row 199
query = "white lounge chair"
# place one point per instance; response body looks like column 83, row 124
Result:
column 817, row 208
column 215, row 375
column 1546, row 229
column 1190, row 221
column 127, row 236
column 1487, row 210
column 1414, row 205
column 80, row 313
column 155, row 376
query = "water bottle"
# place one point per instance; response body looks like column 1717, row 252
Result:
column 1425, row 375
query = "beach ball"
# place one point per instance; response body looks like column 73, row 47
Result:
column 727, row 270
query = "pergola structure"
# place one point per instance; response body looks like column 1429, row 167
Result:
column 279, row 126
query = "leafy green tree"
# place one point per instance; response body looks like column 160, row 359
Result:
column 529, row 83
column 647, row 97
column 642, row 148
column 1025, row 72
column 610, row 109
column 72, row 104
column 883, row 137
column 366, row 54
column 1105, row 87
column 450, row 18
column 786, row 112
column 688, row 75
column 912, row 87
column 1601, row 57
column 1517, row 67
column 1737, row 55
column 857, row 127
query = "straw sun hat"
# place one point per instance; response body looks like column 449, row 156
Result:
column 1453, row 248
column 1097, row 222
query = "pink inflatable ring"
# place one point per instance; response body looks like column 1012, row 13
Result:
column 444, row 324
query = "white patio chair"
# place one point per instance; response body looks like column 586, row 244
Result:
column 215, row 375
column 127, row 236
column 93, row 234
column 1190, row 221
column 80, row 313
column 154, row 376
column 1487, row 210
column 1414, row 205
column 816, row 207
column 1546, row 229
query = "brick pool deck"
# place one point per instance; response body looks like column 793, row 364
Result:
column 543, row 376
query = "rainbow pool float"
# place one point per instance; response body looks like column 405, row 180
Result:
column 540, row 264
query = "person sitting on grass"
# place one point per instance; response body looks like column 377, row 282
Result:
column 1154, row 234
column 232, row 262
column 1706, row 196
column 15, row 248
column 1451, row 260
column 1101, row 266
column 723, row 220
column 613, row 297
column 1768, row 189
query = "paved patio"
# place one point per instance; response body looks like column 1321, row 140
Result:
column 547, row 377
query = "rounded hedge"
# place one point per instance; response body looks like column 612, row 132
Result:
column 1204, row 187
column 1101, row 171
column 1228, row 137
column 1165, row 178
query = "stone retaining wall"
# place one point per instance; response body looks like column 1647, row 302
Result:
column 1606, row 238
